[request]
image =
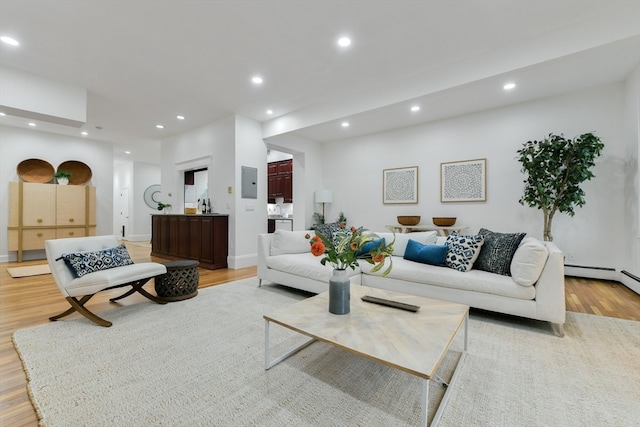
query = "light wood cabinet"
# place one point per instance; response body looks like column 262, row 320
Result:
column 39, row 212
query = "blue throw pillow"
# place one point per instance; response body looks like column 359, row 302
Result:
column 426, row 254
column 81, row 263
column 370, row 246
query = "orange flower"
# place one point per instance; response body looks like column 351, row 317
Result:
column 354, row 246
column 354, row 230
column 317, row 248
column 342, row 225
column 377, row 259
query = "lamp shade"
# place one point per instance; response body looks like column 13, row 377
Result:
column 324, row 196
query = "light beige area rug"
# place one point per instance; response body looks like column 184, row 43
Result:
column 200, row 362
column 31, row 270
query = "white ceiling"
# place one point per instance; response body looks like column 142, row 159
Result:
column 144, row 62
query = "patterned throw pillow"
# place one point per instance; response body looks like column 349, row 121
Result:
column 81, row 263
column 328, row 229
column 497, row 251
column 463, row 251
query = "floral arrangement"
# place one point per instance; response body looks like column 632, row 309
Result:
column 348, row 245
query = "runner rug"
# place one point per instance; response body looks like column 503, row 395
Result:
column 200, row 362
column 31, row 270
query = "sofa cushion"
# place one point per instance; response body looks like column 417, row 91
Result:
column 426, row 254
column 463, row 251
column 425, row 274
column 81, row 263
column 289, row 242
column 400, row 245
column 528, row 261
column 497, row 251
column 305, row 265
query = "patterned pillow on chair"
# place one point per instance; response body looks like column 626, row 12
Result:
column 81, row 263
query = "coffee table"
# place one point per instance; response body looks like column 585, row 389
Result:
column 412, row 342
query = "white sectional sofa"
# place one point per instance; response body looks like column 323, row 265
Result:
column 534, row 290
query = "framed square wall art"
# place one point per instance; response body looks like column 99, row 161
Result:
column 464, row 181
column 400, row 185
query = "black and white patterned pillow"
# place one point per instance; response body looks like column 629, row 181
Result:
column 81, row 263
column 463, row 251
column 497, row 251
column 328, row 229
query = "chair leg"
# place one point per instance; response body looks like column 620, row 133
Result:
column 78, row 305
column 137, row 286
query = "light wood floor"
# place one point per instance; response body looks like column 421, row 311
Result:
column 30, row 301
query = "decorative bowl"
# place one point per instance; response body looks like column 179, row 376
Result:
column 409, row 220
column 35, row 170
column 444, row 221
column 80, row 172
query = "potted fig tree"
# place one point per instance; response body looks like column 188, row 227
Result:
column 555, row 168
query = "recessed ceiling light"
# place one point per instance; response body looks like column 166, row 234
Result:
column 160, row 126
column 127, row 152
column 345, row 124
column 9, row 40
column 85, row 133
column 269, row 112
column 415, row 108
column 2, row 114
column 257, row 80
column 344, row 41
column 32, row 124
column 509, row 86
column 180, row 117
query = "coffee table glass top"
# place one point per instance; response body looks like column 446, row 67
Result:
column 413, row 342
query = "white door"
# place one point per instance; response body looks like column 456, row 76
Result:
column 123, row 209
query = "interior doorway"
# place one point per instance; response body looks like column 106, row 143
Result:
column 123, row 209
column 196, row 188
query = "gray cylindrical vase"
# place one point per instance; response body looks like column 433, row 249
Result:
column 339, row 292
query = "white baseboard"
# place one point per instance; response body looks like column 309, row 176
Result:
column 138, row 238
column 243, row 261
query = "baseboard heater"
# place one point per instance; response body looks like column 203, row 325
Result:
column 605, row 273
column 590, row 268
column 632, row 276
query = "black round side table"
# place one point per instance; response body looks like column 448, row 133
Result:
column 180, row 282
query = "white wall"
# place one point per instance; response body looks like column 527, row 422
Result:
column 353, row 170
column 631, row 178
column 251, row 214
column 18, row 144
column 211, row 146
